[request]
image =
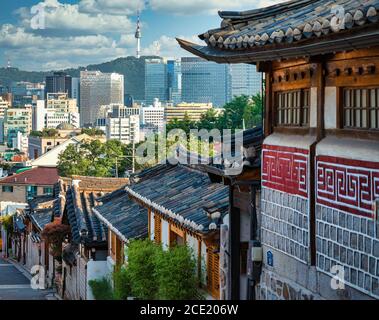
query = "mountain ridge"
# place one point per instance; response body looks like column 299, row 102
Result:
column 131, row 67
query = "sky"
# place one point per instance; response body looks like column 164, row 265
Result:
column 58, row 34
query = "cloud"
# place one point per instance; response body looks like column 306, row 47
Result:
column 168, row 47
column 191, row 7
column 64, row 17
column 35, row 52
column 116, row 7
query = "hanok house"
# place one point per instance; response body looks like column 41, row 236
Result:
column 26, row 185
column 320, row 158
column 85, row 253
column 185, row 207
column 239, row 235
column 126, row 220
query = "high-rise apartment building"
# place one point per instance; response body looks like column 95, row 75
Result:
column 59, row 82
column 155, row 80
column 61, row 109
column 17, row 120
column 152, row 117
column 4, row 105
column 204, row 81
column 97, row 89
column 125, row 129
column 174, row 81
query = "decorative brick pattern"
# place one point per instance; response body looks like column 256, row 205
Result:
column 350, row 241
column 348, row 185
column 285, row 223
column 285, row 169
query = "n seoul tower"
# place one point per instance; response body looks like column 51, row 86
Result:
column 138, row 37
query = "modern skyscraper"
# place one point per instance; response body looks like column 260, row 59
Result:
column 155, row 80
column 174, row 81
column 75, row 89
column 59, row 82
column 97, row 89
column 244, row 80
column 204, row 81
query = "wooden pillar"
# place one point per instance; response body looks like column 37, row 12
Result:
column 268, row 114
column 234, row 247
column 320, row 83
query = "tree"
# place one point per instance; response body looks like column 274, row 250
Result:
column 91, row 158
column 253, row 112
column 141, row 269
column 93, row 132
column 176, row 274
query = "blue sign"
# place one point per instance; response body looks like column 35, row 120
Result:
column 270, row 259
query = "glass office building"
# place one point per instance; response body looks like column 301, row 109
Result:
column 155, row 80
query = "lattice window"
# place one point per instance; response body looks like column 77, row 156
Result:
column 157, row 228
column 213, row 273
column 361, row 108
column 292, row 108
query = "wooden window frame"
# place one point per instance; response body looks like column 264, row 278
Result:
column 157, row 228
column 292, row 111
column 341, row 108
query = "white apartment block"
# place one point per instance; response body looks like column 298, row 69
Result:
column 54, row 119
column 152, row 117
column 125, row 129
column 98, row 89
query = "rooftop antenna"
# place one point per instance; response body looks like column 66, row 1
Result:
column 9, row 63
column 138, row 35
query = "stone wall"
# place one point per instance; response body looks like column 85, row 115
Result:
column 285, row 223
column 347, row 240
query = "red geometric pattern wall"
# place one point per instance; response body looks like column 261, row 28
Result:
column 348, row 185
column 285, row 169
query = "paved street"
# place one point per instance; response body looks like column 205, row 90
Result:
column 14, row 285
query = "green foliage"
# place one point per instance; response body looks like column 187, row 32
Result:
column 122, row 287
column 45, row 133
column 141, row 269
column 176, row 276
column 93, row 132
column 154, row 273
column 92, row 158
column 7, row 223
column 241, row 109
column 101, row 289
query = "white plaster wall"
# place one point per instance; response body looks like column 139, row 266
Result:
column 193, row 244
column 204, row 263
column 165, row 233
column 330, row 108
column 96, row 270
column 313, row 108
column 357, row 149
column 290, row 140
column 152, row 226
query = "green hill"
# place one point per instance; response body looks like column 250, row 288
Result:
column 132, row 68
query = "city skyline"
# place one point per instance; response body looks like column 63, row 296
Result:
column 95, row 31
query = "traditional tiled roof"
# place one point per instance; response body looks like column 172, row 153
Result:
column 290, row 29
column 41, row 217
column 37, row 176
column 123, row 216
column 86, row 228
column 184, row 195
